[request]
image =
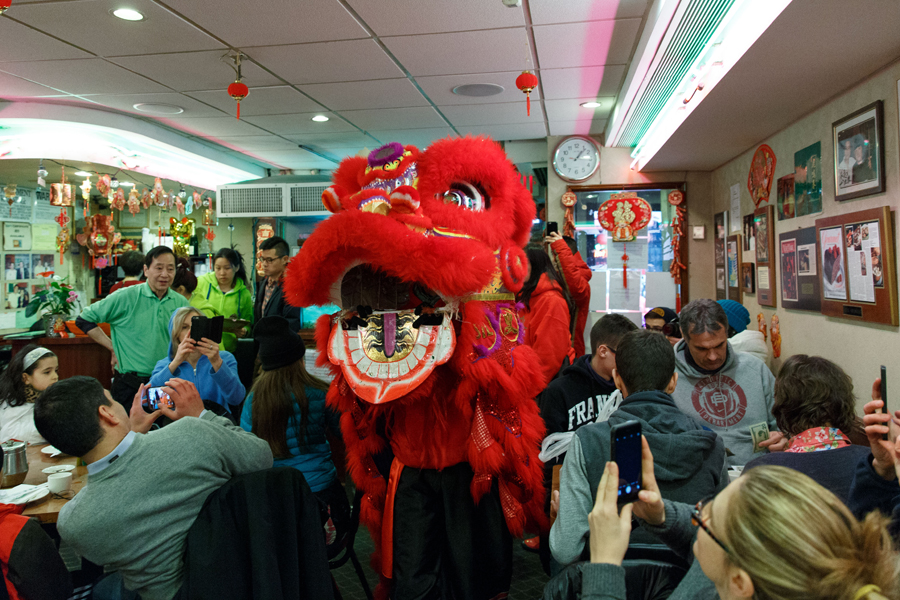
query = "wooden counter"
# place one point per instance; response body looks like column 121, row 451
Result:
column 77, row 356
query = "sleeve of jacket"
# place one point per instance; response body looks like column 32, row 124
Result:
column 161, row 373
column 869, row 491
column 35, row 567
column 677, row 532
column 107, row 310
column 570, row 531
column 550, row 335
column 602, row 582
column 552, row 403
column 227, row 380
column 238, row 450
column 292, row 314
column 579, row 285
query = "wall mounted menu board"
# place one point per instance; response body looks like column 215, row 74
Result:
column 857, row 266
column 764, row 224
column 799, row 276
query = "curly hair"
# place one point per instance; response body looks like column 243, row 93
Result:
column 811, row 391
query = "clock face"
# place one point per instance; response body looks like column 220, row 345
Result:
column 576, row 159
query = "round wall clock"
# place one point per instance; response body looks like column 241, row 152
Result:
column 576, row 158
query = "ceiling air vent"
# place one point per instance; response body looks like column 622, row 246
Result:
column 307, row 200
column 281, row 196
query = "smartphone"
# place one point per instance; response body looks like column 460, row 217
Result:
column 552, row 227
column 625, row 451
column 207, row 327
column 151, row 398
column 884, row 408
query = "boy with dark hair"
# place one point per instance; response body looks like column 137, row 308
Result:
column 132, row 264
column 270, row 300
column 689, row 461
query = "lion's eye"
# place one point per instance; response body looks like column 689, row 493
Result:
column 467, row 195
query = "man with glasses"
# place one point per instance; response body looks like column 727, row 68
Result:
column 274, row 257
column 689, row 460
column 664, row 320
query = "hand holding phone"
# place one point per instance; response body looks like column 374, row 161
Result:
column 552, row 227
column 153, row 396
column 884, row 408
column 625, row 451
column 207, row 327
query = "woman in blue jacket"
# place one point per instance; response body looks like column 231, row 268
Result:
column 213, row 371
column 286, row 407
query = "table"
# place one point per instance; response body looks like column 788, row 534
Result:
column 77, row 356
column 47, row 510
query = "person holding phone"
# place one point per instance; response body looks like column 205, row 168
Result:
column 225, row 292
column 690, row 459
column 213, row 371
column 577, row 277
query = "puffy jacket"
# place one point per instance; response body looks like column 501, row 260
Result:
column 312, row 455
column 752, row 342
column 237, row 301
column 222, row 386
column 578, row 277
column 546, row 323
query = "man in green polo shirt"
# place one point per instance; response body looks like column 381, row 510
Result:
column 139, row 323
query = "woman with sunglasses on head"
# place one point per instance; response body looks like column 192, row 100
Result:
column 772, row 534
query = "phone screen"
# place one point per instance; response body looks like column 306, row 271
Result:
column 552, row 227
column 152, row 397
column 626, row 452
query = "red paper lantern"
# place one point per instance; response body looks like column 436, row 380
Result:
column 238, row 91
column 4, row 4
column 526, row 82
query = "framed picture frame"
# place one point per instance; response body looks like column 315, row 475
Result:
column 748, row 278
column 800, row 281
column 858, row 142
column 808, row 180
column 857, row 266
column 766, row 286
column 125, row 220
column 720, row 225
column 733, row 255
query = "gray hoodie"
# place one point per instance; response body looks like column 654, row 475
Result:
column 689, row 464
column 728, row 402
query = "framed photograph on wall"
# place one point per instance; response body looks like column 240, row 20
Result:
column 800, row 281
column 733, row 267
column 786, row 197
column 808, row 180
column 859, row 153
column 748, row 281
column 766, row 286
column 720, row 225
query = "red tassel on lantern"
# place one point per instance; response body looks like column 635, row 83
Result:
column 238, row 91
column 526, row 82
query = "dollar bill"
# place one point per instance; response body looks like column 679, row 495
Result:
column 759, row 433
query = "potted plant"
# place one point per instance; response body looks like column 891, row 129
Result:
column 56, row 302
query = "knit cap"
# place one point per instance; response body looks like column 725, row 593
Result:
column 661, row 312
column 738, row 316
column 278, row 345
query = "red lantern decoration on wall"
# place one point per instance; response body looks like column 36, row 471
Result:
column 4, row 4
column 237, row 90
column 526, row 82
column 624, row 214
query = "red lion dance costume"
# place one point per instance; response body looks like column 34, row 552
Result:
column 435, row 387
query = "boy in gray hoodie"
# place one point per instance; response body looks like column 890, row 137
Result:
column 689, row 460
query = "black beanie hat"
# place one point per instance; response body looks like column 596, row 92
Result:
column 278, row 345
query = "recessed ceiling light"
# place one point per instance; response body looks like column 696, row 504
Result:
column 128, row 14
column 478, row 90
column 159, row 109
column 590, row 104
column 320, row 118
column 84, row 174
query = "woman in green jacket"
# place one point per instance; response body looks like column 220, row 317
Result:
column 225, row 292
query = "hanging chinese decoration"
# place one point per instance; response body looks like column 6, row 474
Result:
column 10, row 192
column 146, row 200
column 568, row 201
column 63, row 238
column 263, row 232
column 179, row 205
column 134, row 202
column 676, row 199
column 117, row 199
column 209, row 220
column 104, row 184
column 181, row 232
column 762, row 174
column 776, row 336
column 157, row 194
column 237, row 90
column 623, row 215
column 526, row 82
column 99, row 237
column 761, row 326
column 4, row 5
column 61, row 193
column 86, row 196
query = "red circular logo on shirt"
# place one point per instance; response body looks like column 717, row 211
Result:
column 719, row 401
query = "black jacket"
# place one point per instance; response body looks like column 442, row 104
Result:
column 571, row 400
column 259, row 536
column 277, row 306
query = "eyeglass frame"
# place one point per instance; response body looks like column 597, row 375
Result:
column 269, row 260
column 670, row 329
column 697, row 520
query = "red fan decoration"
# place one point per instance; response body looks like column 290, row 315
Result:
column 762, row 174
column 623, row 215
column 526, row 82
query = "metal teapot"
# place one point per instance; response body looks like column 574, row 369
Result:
column 15, row 463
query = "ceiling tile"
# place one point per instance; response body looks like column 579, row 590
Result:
column 440, row 88
column 91, row 26
column 520, row 131
column 13, row 87
column 254, row 143
column 194, row 71
column 212, row 126
column 544, row 12
column 419, row 138
column 408, row 17
column 588, row 44
column 327, row 62
column 126, row 102
column 357, row 95
column 580, row 127
column 465, row 52
column 394, row 118
column 492, row 114
column 582, row 83
column 295, row 158
column 23, row 43
column 571, row 110
column 300, row 123
column 83, row 76
column 242, row 23
column 349, row 139
column 280, row 100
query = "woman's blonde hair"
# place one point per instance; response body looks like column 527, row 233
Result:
column 177, row 323
column 797, row 540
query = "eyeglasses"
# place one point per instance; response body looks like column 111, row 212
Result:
column 697, row 520
column 610, row 349
column 670, row 329
column 268, row 261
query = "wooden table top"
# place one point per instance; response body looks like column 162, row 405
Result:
column 47, row 510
